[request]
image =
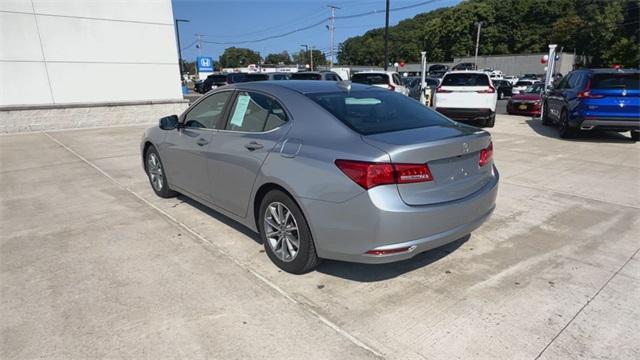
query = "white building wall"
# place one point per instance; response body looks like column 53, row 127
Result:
column 87, row 51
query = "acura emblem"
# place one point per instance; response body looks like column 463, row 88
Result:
column 465, row 148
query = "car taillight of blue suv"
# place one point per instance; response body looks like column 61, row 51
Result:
column 590, row 99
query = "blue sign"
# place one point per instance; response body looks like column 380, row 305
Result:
column 205, row 64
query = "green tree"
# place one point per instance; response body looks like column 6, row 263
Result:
column 238, row 57
column 302, row 57
column 605, row 31
column 281, row 58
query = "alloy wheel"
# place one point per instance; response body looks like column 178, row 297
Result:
column 155, row 171
column 281, row 231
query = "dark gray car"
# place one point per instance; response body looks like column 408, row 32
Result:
column 327, row 169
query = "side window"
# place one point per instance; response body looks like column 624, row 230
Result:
column 255, row 112
column 574, row 80
column 396, row 79
column 564, row 82
column 208, row 112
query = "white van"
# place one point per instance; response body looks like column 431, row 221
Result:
column 467, row 96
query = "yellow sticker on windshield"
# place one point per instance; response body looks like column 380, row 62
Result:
column 241, row 108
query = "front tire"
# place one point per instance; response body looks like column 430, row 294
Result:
column 156, row 174
column 285, row 234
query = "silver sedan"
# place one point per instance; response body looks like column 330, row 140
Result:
column 324, row 169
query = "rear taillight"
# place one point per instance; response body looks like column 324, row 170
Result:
column 391, row 87
column 439, row 89
column 586, row 93
column 370, row 174
column 490, row 90
column 486, row 154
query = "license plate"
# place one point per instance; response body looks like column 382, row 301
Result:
column 522, row 107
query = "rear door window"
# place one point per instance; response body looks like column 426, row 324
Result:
column 254, row 112
column 616, row 81
column 306, row 76
column 376, row 111
column 465, row 80
column 370, row 79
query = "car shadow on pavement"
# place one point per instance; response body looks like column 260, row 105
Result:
column 381, row 272
column 597, row 136
column 222, row 218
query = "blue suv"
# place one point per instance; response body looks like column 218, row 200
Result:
column 589, row 99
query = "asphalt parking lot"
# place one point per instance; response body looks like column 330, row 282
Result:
column 93, row 264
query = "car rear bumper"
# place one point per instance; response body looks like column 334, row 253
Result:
column 616, row 124
column 531, row 110
column 465, row 113
column 378, row 219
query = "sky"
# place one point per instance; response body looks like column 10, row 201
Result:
column 228, row 21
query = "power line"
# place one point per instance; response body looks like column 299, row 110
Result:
column 320, row 23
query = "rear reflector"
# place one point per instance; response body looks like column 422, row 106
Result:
column 391, row 87
column 391, row 251
column 370, row 174
column 486, row 154
column 490, row 90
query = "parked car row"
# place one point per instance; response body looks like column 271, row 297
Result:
column 214, row 81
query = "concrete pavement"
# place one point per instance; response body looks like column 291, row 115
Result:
column 92, row 264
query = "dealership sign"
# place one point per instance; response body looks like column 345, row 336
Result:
column 205, row 64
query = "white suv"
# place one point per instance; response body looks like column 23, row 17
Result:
column 385, row 79
column 467, row 96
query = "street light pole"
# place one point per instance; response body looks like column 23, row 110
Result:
column 479, row 24
column 332, row 29
column 386, row 38
column 180, row 50
column 306, row 51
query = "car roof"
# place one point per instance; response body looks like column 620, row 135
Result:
column 611, row 71
column 376, row 72
column 302, row 86
column 467, row 72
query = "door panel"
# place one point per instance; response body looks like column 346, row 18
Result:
column 186, row 149
column 185, row 159
column 256, row 124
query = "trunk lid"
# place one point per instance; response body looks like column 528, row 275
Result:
column 452, row 154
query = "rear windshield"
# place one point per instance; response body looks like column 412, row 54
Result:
column 306, row 76
column 523, row 83
column 377, row 111
column 256, row 77
column 281, row 77
column 465, row 80
column 616, row 81
column 370, row 79
column 234, row 78
column 217, row 78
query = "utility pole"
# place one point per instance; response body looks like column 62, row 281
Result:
column 479, row 25
column 180, row 50
column 386, row 38
column 199, row 44
column 332, row 28
column 311, row 56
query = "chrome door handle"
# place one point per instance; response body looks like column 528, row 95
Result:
column 202, row 142
column 253, row 146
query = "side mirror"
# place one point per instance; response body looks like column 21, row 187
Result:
column 169, row 122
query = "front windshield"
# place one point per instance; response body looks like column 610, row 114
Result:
column 534, row 89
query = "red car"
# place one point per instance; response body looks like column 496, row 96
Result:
column 528, row 103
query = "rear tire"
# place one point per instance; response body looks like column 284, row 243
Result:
column 565, row 131
column 291, row 250
column 545, row 115
column 490, row 122
column 635, row 135
column 156, row 173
